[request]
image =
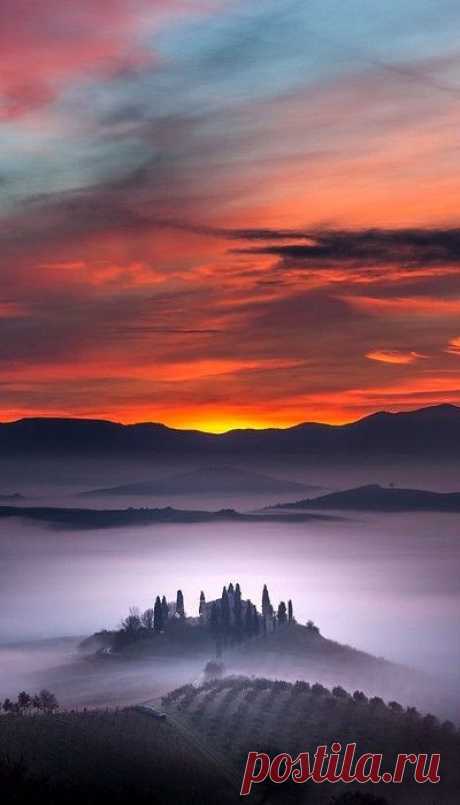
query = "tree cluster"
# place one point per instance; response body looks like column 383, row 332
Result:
column 232, row 619
column 44, row 702
column 154, row 619
column 229, row 619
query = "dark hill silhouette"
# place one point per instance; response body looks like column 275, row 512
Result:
column 374, row 497
column 102, row 756
column 433, row 431
column 206, row 481
column 113, row 518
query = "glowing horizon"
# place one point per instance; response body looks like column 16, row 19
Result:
column 218, row 426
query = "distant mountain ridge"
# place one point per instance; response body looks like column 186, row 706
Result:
column 432, row 431
column 374, row 497
column 206, row 480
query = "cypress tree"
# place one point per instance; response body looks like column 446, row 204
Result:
column 180, row 604
column 225, row 613
column 266, row 606
column 231, row 588
column 157, row 616
column 164, row 610
column 248, row 619
column 255, row 621
column 290, row 611
column 202, row 607
column 238, row 613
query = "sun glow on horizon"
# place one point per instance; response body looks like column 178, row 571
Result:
column 224, row 424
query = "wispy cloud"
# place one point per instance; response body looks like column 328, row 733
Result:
column 428, row 307
column 394, row 356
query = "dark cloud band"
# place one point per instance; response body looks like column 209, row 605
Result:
column 331, row 247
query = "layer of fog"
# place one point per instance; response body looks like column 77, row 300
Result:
column 59, row 482
column 388, row 584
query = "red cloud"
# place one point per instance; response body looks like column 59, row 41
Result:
column 396, row 356
column 45, row 43
column 454, row 346
column 425, row 306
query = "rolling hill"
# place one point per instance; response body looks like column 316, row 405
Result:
column 300, row 652
column 374, row 497
column 236, row 715
column 290, row 652
column 207, row 481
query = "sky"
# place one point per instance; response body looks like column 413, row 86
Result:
column 221, row 214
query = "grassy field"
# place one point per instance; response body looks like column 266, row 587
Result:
column 118, row 757
column 238, row 715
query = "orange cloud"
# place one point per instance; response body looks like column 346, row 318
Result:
column 454, row 346
column 396, row 356
column 427, row 306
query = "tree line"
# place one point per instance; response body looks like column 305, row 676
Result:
column 227, row 619
column 44, row 702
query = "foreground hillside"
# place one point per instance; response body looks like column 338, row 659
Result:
column 118, row 757
column 236, row 715
column 196, row 756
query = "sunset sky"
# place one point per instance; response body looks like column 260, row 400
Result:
column 219, row 213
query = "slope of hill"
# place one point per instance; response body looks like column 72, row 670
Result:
column 207, row 481
column 298, row 652
column 374, row 497
column 236, row 715
column 433, row 431
column 290, row 652
column 120, row 757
